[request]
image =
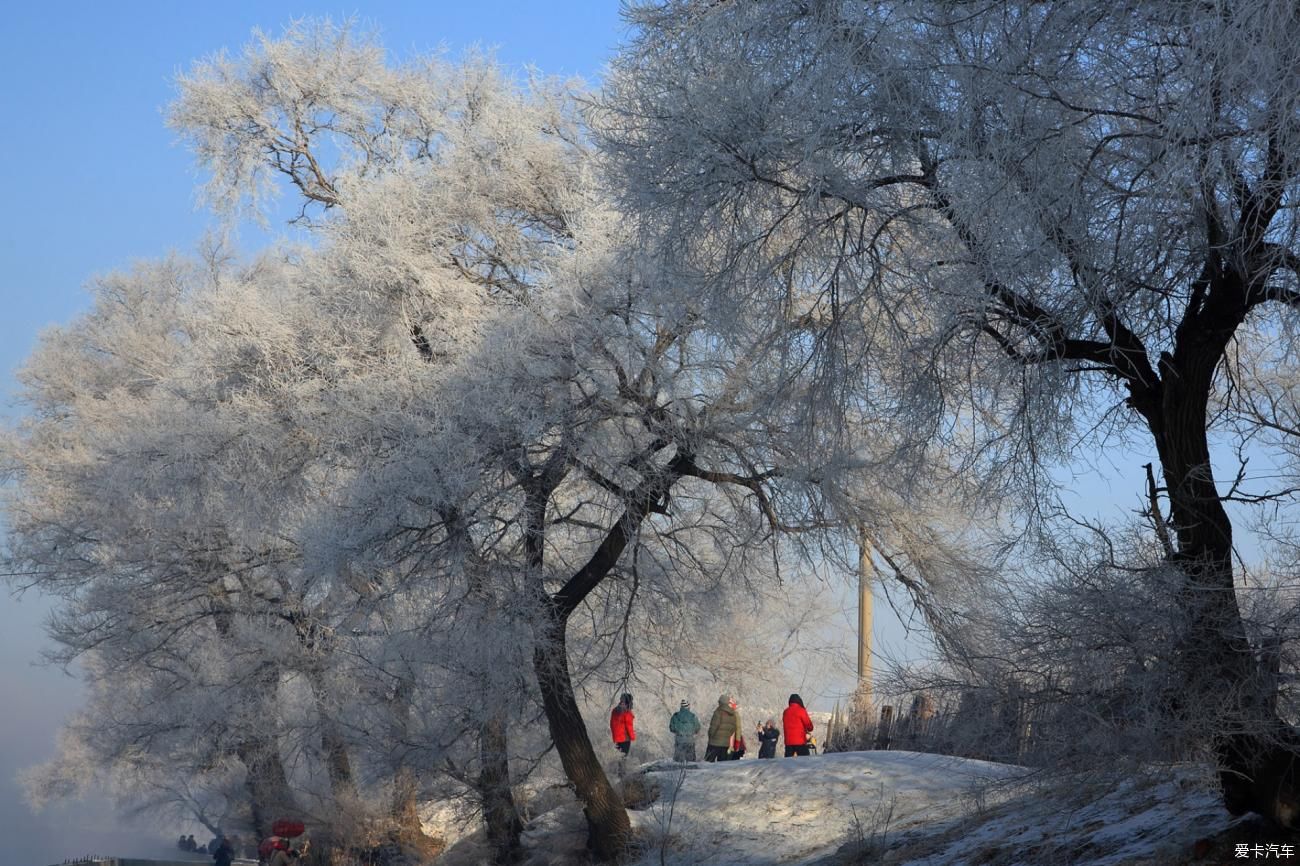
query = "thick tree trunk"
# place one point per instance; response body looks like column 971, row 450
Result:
column 269, row 796
column 405, row 806
column 267, row 784
column 500, row 816
column 337, row 760
column 501, row 819
column 1255, row 750
column 404, row 809
column 333, row 746
column 347, row 816
column 610, row 829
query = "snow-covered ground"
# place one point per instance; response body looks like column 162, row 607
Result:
column 793, row 810
column 900, row 808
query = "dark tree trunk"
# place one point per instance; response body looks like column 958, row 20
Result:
column 336, row 756
column 1255, row 750
column 607, row 821
column 334, row 747
column 500, row 816
column 267, row 784
column 340, row 823
column 269, row 796
column 501, row 820
column 404, row 809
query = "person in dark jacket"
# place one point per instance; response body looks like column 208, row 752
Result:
column 621, row 725
column 224, row 853
column 797, row 728
column 768, row 734
column 685, row 727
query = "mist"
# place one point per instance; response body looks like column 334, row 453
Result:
column 38, row 699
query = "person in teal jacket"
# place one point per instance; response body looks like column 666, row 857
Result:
column 685, row 727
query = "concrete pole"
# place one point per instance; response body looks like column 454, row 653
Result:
column 866, row 576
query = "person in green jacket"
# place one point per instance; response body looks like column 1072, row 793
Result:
column 724, row 727
column 684, row 727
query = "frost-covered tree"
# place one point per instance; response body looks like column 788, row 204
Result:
column 472, row 444
column 112, row 514
column 581, row 430
column 178, row 461
column 1060, row 215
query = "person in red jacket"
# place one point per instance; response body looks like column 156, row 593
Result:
column 621, row 722
column 797, row 728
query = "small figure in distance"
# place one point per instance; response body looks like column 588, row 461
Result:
column 768, row 734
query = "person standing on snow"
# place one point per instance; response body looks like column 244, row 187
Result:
column 768, row 734
column 797, row 728
column 621, row 722
column 724, row 727
column 224, row 853
column 684, row 727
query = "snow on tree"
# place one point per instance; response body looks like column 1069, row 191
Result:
column 471, row 444
column 587, row 428
column 139, row 551
column 1049, row 220
column 172, row 475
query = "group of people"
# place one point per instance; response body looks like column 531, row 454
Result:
column 222, row 848
column 274, row 851
column 726, row 738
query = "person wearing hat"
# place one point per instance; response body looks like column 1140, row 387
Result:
column 684, row 727
column 724, row 728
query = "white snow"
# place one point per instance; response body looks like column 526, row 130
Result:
column 924, row 810
column 791, row 810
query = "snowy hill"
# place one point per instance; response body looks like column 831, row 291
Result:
column 792, row 810
column 899, row 808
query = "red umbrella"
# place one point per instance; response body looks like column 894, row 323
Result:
column 289, row 828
